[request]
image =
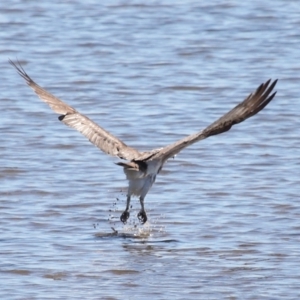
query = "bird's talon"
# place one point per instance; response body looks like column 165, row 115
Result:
column 124, row 216
column 142, row 217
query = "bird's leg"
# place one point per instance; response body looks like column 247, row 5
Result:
column 142, row 214
column 125, row 215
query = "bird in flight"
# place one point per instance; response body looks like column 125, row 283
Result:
column 141, row 168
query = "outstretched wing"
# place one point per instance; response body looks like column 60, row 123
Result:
column 253, row 104
column 68, row 115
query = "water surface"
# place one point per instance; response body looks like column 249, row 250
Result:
column 223, row 215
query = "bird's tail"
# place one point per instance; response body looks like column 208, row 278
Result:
column 132, row 166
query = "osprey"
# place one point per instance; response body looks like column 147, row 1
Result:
column 141, row 168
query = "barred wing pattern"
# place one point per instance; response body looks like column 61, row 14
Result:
column 253, row 104
column 96, row 134
column 110, row 144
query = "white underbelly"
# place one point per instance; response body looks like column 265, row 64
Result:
column 140, row 186
column 141, row 181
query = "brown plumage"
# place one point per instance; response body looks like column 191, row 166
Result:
column 141, row 168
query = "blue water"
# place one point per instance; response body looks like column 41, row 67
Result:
column 223, row 215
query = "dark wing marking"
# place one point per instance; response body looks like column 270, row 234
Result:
column 254, row 103
column 96, row 134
